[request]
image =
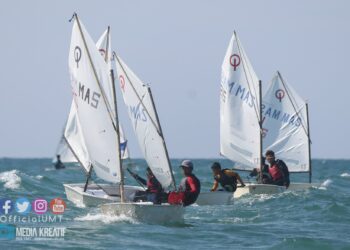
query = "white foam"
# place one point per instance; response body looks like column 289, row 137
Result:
column 326, row 184
column 107, row 219
column 345, row 175
column 39, row 177
column 11, row 179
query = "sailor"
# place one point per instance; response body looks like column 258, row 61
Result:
column 278, row 170
column 154, row 189
column 190, row 185
column 264, row 171
column 226, row 178
column 59, row 164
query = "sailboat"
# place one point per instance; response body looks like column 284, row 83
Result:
column 86, row 143
column 285, row 130
column 283, row 127
column 98, row 119
column 145, row 121
column 63, row 150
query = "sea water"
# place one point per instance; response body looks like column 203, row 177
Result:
column 318, row 218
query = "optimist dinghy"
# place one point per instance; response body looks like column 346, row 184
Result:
column 74, row 143
column 100, row 128
column 247, row 121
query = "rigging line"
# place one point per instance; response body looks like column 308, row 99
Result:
column 245, row 73
column 95, row 74
column 140, row 100
column 290, row 99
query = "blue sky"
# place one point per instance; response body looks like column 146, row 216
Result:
column 178, row 48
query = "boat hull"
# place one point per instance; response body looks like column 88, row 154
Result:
column 271, row 189
column 146, row 212
column 95, row 195
column 215, row 198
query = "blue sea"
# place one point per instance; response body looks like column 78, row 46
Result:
column 318, row 218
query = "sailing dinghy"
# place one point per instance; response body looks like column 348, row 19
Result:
column 98, row 121
column 145, row 121
column 87, row 194
column 286, row 131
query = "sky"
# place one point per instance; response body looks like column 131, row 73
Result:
column 178, row 47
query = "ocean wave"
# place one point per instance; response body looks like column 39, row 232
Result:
column 345, row 175
column 107, row 219
column 11, row 179
column 325, row 184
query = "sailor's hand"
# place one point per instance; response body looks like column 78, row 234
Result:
column 212, row 190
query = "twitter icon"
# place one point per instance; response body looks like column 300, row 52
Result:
column 23, row 206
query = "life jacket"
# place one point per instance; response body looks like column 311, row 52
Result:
column 226, row 180
column 190, row 196
column 153, row 185
column 275, row 172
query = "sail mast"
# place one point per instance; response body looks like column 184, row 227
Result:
column 161, row 135
column 121, row 185
column 261, row 131
column 309, row 141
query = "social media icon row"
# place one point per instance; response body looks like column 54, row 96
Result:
column 39, row 206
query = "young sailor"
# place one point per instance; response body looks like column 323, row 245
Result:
column 59, row 164
column 190, row 185
column 154, row 189
column 226, row 178
column 266, row 177
column 278, row 170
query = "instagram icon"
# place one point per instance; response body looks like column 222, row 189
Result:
column 39, row 206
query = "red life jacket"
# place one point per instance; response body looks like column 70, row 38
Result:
column 275, row 173
column 153, row 185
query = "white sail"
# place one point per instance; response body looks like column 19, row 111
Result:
column 89, row 73
column 285, row 125
column 63, row 150
column 74, row 139
column 124, row 150
column 105, row 48
column 139, row 102
column 239, row 108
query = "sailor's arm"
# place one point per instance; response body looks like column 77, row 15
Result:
column 234, row 174
column 215, row 186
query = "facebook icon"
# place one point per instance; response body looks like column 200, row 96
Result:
column 6, row 206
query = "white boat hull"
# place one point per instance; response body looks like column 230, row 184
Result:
column 271, row 189
column 145, row 212
column 95, row 195
column 215, row 198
